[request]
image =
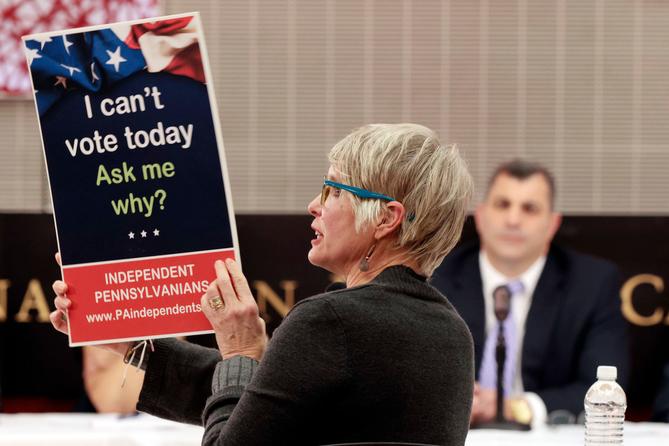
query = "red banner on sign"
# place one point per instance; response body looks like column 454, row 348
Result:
column 146, row 298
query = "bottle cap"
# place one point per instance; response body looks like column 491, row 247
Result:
column 607, row 372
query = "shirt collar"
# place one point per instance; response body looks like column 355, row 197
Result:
column 493, row 278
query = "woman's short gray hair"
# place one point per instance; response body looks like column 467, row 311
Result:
column 407, row 162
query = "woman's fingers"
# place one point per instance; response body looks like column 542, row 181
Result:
column 239, row 282
column 206, row 306
column 59, row 320
column 229, row 305
column 59, row 317
column 225, row 289
column 59, row 287
column 62, row 303
column 212, row 290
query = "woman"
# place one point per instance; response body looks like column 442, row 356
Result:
column 385, row 359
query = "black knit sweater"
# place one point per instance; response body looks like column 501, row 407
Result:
column 390, row 360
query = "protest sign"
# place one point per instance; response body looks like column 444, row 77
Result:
column 137, row 173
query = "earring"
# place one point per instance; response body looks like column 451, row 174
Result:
column 364, row 263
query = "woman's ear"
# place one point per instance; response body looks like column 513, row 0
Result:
column 391, row 219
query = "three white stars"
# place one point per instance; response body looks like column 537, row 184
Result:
column 115, row 58
column 143, row 234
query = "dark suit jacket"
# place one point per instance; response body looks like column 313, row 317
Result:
column 573, row 325
column 661, row 407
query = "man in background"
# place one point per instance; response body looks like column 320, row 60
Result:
column 565, row 317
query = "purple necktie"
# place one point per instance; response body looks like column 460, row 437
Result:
column 488, row 371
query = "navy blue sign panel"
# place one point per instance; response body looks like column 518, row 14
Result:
column 159, row 192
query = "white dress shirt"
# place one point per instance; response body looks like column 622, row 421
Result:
column 520, row 304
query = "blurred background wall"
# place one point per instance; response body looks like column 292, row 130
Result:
column 580, row 85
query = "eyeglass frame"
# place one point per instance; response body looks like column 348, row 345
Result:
column 357, row 191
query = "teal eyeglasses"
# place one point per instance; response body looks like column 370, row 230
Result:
column 362, row 193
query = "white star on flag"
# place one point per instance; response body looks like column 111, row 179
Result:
column 156, row 232
column 67, row 44
column 60, row 80
column 32, row 54
column 43, row 41
column 131, row 234
column 115, row 58
column 143, row 234
column 93, row 75
column 71, row 69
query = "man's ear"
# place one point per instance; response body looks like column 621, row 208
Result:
column 556, row 221
column 478, row 216
column 391, row 220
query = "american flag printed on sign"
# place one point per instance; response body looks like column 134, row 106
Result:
column 96, row 59
column 22, row 17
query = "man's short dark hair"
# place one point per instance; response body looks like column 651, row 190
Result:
column 522, row 170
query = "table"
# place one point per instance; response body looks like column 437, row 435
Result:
column 636, row 434
column 95, row 430
column 145, row 430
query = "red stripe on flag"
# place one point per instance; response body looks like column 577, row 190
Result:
column 188, row 63
column 164, row 27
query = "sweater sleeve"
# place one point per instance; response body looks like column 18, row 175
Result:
column 304, row 366
column 178, row 380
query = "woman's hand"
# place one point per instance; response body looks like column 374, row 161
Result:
column 233, row 313
column 59, row 316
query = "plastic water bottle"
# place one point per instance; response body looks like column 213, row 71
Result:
column 605, row 405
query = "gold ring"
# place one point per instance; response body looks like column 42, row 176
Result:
column 215, row 303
